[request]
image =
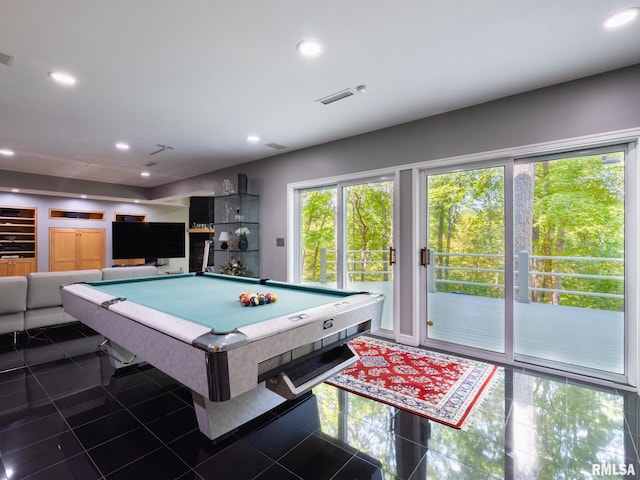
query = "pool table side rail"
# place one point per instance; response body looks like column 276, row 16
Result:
column 332, row 327
column 298, row 318
column 248, row 282
column 168, row 324
column 178, row 359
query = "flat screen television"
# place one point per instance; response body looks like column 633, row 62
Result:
column 148, row 240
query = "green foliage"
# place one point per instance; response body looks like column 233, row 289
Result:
column 577, row 211
column 368, row 223
column 466, row 216
column 317, row 231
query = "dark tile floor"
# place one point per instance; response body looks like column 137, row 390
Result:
column 65, row 415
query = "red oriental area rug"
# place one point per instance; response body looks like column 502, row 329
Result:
column 441, row 387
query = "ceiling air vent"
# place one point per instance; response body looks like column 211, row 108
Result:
column 276, row 146
column 5, row 59
column 334, row 97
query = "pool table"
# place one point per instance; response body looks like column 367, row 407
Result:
column 239, row 361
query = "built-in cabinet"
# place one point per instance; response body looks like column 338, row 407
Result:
column 236, row 249
column 18, row 240
column 231, row 225
column 17, row 266
column 76, row 249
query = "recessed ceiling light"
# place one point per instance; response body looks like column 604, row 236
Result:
column 15, row 190
column 253, row 138
column 122, row 146
column 621, row 18
column 83, row 196
column 310, row 48
column 136, row 201
column 144, row 174
column 6, row 152
column 63, row 78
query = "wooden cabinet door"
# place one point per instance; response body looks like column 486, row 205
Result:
column 91, row 248
column 76, row 249
column 23, row 266
column 62, row 249
column 17, row 266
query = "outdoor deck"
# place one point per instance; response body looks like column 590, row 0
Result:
column 578, row 336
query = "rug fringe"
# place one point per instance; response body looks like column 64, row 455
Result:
column 486, row 393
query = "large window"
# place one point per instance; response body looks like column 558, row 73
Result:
column 528, row 259
column 345, row 238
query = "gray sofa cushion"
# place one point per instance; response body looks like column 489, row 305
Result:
column 45, row 317
column 116, row 273
column 44, row 287
column 13, row 294
column 13, row 303
column 12, row 322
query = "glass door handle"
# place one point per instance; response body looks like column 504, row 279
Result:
column 424, row 257
column 392, row 256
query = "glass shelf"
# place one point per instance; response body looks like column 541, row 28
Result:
column 234, row 215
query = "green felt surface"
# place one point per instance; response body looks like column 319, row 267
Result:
column 212, row 300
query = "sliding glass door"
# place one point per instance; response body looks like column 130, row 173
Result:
column 569, row 234
column 466, row 251
column 527, row 259
column 346, row 238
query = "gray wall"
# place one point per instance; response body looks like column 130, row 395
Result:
column 597, row 104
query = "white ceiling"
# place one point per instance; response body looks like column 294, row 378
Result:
column 199, row 75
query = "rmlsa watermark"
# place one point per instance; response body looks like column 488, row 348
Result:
column 611, row 469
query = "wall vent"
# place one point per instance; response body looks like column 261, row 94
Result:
column 6, row 59
column 334, row 97
column 276, row 146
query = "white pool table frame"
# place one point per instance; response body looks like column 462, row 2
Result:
column 170, row 344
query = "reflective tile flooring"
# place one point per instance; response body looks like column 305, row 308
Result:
column 65, row 415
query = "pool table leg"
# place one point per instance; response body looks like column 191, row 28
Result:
column 216, row 419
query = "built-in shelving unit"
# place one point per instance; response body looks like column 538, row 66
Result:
column 18, row 240
column 237, row 217
column 130, row 217
column 76, row 214
column 200, row 231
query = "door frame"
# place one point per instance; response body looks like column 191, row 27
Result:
column 422, row 174
column 293, row 226
column 632, row 256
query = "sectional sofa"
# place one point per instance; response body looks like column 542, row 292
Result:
column 34, row 301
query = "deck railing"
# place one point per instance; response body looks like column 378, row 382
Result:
column 373, row 265
column 439, row 272
column 362, row 265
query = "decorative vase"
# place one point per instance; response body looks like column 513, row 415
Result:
column 243, row 243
